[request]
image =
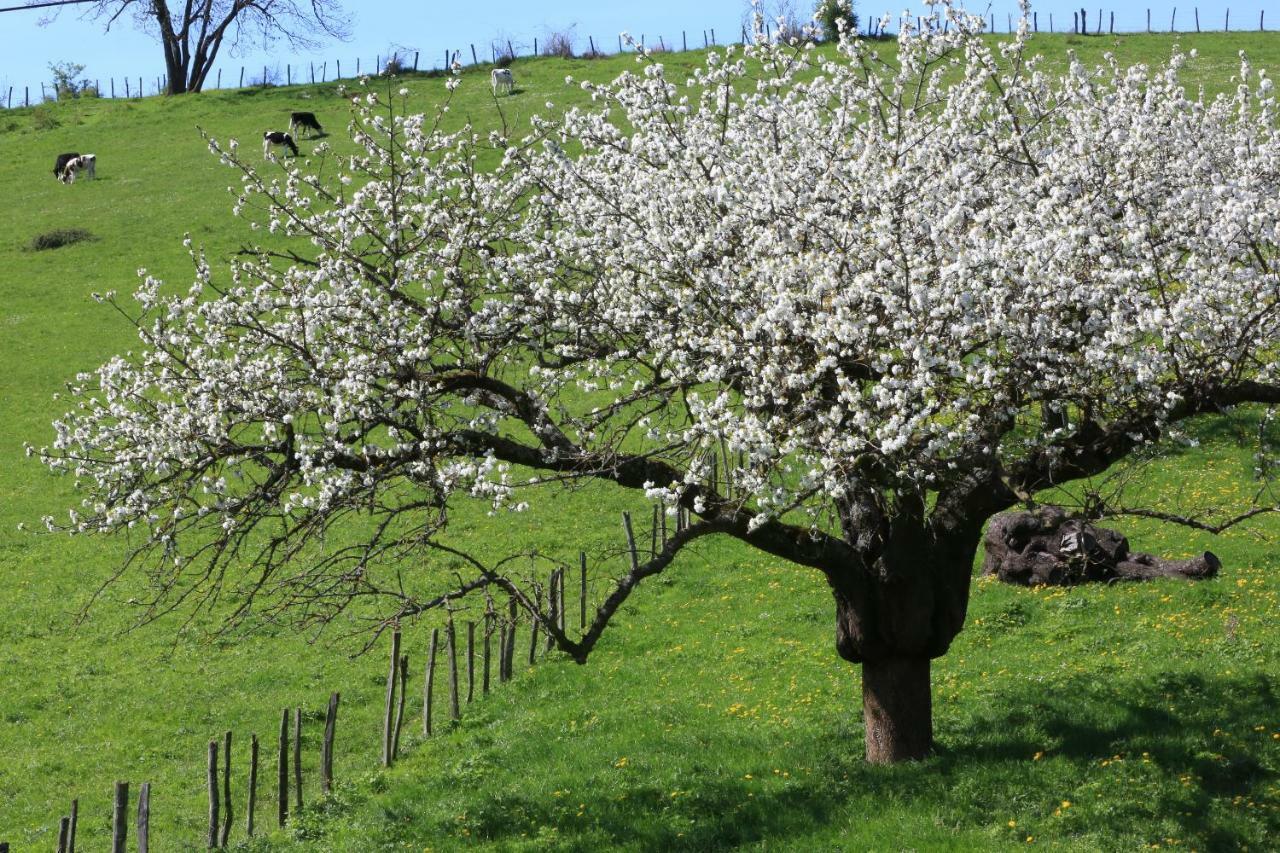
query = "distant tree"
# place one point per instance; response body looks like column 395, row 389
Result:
column 833, row 16
column 193, row 32
column 819, row 313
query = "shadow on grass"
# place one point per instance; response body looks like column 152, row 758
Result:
column 1171, row 770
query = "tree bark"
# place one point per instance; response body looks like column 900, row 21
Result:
column 897, row 706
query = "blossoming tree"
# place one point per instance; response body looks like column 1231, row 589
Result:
column 843, row 307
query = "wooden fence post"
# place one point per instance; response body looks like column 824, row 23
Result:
column 488, row 635
column 297, row 760
column 64, row 830
column 1112, row 28
column 502, row 649
column 1173, row 17
column 144, row 817
column 1262, row 16
column 253, row 783
column 471, row 661
column 428, row 685
column 213, row 794
column 75, row 817
column 241, row 76
column 535, row 45
column 592, row 43
column 455, row 712
column 1226, row 25
column 552, row 619
column 120, row 819
column 1196, row 9
column 404, row 692
column 713, row 36
column 533, row 623
column 282, row 771
column 475, row 60
column 393, row 676
column 228, row 812
column 684, row 41
column 582, row 591
column 326, row 748
column 511, row 639
column 415, row 61
column 631, row 541
column 339, row 63
column 218, row 85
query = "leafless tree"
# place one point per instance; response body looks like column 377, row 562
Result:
column 192, row 32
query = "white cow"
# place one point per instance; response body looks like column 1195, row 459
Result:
column 502, row 79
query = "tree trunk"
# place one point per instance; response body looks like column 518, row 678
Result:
column 898, row 709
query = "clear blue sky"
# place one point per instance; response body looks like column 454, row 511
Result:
column 27, row 48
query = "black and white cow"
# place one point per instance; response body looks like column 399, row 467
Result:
column 85, row 163
column 277, row 137
column 61, row 163
column 307, row 121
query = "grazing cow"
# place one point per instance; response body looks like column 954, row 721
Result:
column 502, row 79
column 62, row 161
column 86, row 163
column 277, row 137
column 304, row 120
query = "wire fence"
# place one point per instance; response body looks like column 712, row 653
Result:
column 501, row 51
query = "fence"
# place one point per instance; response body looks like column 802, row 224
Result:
column 468, row 667
column 506, row 51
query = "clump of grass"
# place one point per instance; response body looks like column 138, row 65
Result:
column 42, row 118
column 58, row 238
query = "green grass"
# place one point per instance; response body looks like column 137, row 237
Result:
column 716, row 714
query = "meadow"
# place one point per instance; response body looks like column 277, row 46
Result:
column 715, row 714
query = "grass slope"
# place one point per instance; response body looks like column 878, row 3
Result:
column 716, row 715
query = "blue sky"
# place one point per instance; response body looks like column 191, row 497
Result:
column 27, row 48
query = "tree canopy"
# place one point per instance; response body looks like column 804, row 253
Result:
column 842, row 307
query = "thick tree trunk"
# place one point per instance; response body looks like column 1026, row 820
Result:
column 898, row 709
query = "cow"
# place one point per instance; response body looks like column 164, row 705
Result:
column 277, row 137
column 502, row 79
column 86, row 163
column 304, row 120
column 61, row 163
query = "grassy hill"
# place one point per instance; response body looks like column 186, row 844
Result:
column 715, row 713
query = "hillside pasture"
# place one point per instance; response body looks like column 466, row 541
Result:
column 715, row 715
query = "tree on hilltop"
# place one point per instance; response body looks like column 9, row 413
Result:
column 193, row 32
column 841, row 308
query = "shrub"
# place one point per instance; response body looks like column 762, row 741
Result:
column 42, row 118
column 58, row 238
column 560, row 43
column 504, row 53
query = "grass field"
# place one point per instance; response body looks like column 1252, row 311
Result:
column 716, row 714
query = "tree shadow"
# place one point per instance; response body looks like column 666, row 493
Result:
column 986, row 768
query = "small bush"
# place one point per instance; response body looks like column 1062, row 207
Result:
column 58, row 238
column 67, row 82
column 560, row 43
column 504, row 54
column 42, row 118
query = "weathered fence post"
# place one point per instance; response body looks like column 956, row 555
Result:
column 428, row 686
column 415, row 61
column 228, row 811
column 64, row 830
column 552, row 618
column 1262, row 16
column 533, row 624
column 75, row 817
column 1035, row 21
column 282, row 771
column 684, row 41
column 297, row 760
column 1172, row 18
column 253, row 783
column 339, row 64
column 713, row 36
column 404, row 692
column 502, row 649
column 213, row 794
column 1196, row 9
column 475, row 60
column 1226, row 25
column 120, row 818
column 471, row 661
column 326, row 747
column 582, row 591
column 144, row 817
column 592, row 42
column 1112, row 27
column 631, row 541
column 241, row 76
column 535, row 45
column 455, row 712
column 218, row 85
column 393, row 675
column 511, row 639
column 488, row 635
